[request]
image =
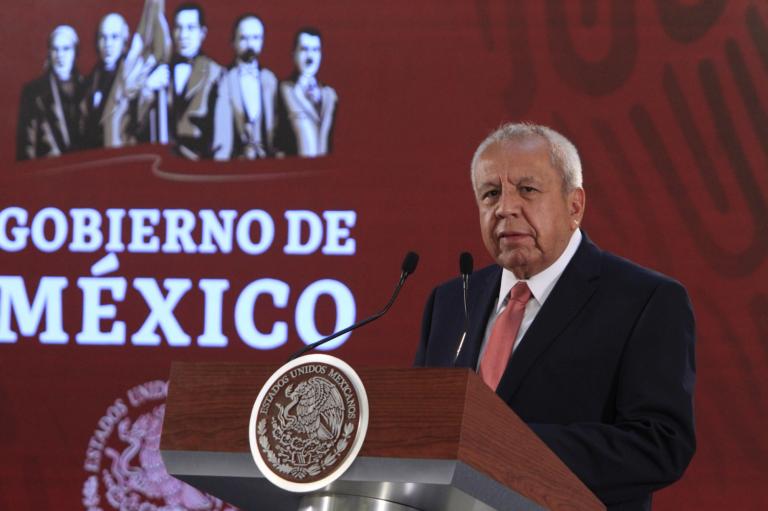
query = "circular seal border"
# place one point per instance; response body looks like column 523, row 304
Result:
column 362, row 428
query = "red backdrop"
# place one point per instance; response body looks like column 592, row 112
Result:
column 665, row 100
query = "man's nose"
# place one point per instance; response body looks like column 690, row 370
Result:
column 509, row 203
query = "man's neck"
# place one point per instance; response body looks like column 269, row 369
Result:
column 306, row 78
column 109, row 67
column 63, row 78
column 542, row 282
column 181, row 58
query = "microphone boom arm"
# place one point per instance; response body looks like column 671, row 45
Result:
column 367, row 320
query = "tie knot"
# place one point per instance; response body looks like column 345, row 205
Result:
column 520, row 293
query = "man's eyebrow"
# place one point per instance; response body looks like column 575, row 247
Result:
column 524, row 180
column 487, row 183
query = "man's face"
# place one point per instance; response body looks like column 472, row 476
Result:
column 249, row 39
column 62, row 55
column 307, row 54
column 188, row 34
column 526, row 218
column 111, row 40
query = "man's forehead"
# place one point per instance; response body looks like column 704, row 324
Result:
column 63, row 40
column 250, row 26
column 309, row 40
column 515, row 153
column 110, row 25
column 188, row 17
column 520, row 160
column 491, row 177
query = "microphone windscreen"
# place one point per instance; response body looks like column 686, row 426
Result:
column 410, row 262
column 465, row 263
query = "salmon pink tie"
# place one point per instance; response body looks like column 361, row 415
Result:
column 503, row 335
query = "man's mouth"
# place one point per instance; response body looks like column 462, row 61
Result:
column 512, row 236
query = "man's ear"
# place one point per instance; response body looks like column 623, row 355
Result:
column 576, row 203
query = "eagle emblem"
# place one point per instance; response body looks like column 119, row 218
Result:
column 319, row 410
column 308, row 422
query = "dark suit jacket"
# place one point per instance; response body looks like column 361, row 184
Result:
column 604, row 375
column 49, row 121
column 97, row 89
column 190, row 114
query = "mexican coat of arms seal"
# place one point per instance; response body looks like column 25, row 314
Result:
column 308, row 423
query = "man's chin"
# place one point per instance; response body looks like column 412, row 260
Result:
column 249, row 56
column 519, row 263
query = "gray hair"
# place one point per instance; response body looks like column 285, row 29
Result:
column 64, row 30
column 125, row 31
column 562, row 152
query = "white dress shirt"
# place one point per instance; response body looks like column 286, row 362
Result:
column 540, row 285
column 250, row 87
column 181, row 74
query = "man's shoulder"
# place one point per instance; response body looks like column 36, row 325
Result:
column 328, row 91
column 268, row 76
column 37, row 87
column 210, row 67
column 617, row 265
column 628, row 276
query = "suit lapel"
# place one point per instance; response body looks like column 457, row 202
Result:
column 236, row 95
column 267, row 92
column 195, row 78
column 58, row 112
column 483, row 290
column 572, row 291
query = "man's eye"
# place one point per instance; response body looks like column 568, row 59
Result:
column 490, row 194
column 528, row 189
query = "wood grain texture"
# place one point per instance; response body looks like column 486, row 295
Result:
column 414, row 413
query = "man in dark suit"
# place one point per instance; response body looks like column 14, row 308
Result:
column 593, row 352
column 112, row 44
column 191, row 81
column 49, row 113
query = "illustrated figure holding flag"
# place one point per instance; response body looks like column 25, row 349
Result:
column 190, row 81
column 126, row 110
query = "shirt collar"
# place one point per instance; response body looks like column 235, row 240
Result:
column 543, row 282
column 248, row 67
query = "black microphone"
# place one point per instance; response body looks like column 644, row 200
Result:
column 409, row 266
column 465, row 268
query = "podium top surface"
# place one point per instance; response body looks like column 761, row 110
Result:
column 415, row 413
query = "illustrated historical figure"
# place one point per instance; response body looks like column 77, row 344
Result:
column 306, row 106
column 593, row 352
column 191, row 80
column 49, row 112
column 112, row 43
column 126, row 112
column 245, row 108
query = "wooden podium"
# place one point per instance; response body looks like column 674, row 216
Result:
column 438, row 439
